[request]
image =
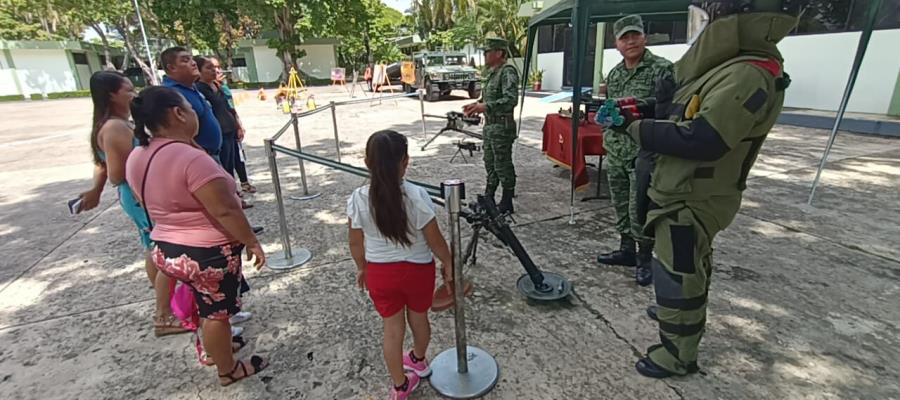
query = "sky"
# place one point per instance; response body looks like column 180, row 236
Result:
column 399, row 5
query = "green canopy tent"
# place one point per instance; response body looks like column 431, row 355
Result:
column 579, row 14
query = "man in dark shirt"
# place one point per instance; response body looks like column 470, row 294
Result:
column 209, row 87
column 181, row 74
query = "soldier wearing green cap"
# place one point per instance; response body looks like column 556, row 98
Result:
column 499, row 96
column 636, row 76
column 729, row 93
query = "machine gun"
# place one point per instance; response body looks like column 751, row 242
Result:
column 456, row 121
column 534, row 284
column 463, row 145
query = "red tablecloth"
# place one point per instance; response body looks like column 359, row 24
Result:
column 557, row 145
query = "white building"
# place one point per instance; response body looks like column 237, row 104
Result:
column 818, row 57
column 41, row 67
column 255, row 62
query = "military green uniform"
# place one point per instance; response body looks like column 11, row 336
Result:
column 730, row 93
column 621, row 150
column 500, row 95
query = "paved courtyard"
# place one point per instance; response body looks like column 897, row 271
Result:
column 803, row 304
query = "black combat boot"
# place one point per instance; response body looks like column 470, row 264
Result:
column 648, row 368
column 624, row 256
column 506, row 202
column 643, row 274
column 490, row 193
column 651, row 313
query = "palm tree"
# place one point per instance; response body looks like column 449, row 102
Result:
column 499, row 17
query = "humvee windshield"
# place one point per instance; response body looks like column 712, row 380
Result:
column 446, row 60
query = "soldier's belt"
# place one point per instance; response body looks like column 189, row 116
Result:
column 499, row 119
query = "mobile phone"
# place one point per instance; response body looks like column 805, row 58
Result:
column 74, row 205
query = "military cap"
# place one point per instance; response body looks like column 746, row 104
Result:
column 627, row 24
column 495, row 44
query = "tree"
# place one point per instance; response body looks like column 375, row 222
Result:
column 457, row 22
column 500, row 17
column 99, row 15
column 13, row 28
column 37, row 19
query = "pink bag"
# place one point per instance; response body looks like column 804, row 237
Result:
column 184, row 306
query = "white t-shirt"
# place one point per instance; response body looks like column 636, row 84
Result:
column 419, row 212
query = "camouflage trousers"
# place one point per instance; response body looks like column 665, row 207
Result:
column 681, row 275
column 623, row 193
column 498, row 163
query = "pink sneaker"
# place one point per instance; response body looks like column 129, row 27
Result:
column 420, row 368
column 412, row 382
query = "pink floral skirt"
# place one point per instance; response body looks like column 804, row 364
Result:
column 213, row 272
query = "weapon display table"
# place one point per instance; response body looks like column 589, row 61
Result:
column 557, row 146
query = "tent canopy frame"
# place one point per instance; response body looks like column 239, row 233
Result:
column 579, row 14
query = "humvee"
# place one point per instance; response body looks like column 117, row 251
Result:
column 440, row 72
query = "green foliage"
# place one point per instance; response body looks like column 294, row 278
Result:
column 499, row 17
column 52, row 96
column 37, row 20
column 69, row 95
column 536, row 75
column 12, row 28
column 454, row 23
column 12, row 97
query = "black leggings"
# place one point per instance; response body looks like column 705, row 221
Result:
column 231, row 157
column 239, row 165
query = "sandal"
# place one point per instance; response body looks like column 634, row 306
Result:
column 169, row 325
column 257, row 362
column 443, row 296
column 237, row 343
column 247, row 187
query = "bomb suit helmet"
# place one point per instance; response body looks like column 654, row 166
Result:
column 701, row 13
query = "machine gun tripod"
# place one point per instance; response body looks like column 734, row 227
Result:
column 456, row 121
column 534, row 284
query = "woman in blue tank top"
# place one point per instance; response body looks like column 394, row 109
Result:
column 112, row 140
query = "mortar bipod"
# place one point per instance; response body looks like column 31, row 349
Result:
column 456, row 122
column 534, row 284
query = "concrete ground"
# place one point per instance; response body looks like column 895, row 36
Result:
column 803, row 303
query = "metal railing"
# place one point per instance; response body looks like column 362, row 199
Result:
column 291, row 258
column 461, row 372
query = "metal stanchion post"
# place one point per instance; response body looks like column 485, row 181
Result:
column 337, row 141
column 289, row 259
column 463, row 372
column 422, row 106
column 306, row 196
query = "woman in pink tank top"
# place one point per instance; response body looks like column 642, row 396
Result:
column 197, row 222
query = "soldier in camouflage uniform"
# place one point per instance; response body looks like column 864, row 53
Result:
column 499, row 96
column 730, row 91
column 635, row 76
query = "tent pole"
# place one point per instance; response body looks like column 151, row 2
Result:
column 579, row 28
column 137, row 11
column 529, row 54
column 874, row 7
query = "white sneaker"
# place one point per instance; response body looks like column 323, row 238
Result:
column 241, row 317
column 237, row 330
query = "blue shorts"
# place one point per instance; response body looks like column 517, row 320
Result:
column 134, row 210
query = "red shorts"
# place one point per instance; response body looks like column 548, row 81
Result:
column 393, row 286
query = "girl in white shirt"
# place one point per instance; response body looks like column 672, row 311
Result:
column 394, row 238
